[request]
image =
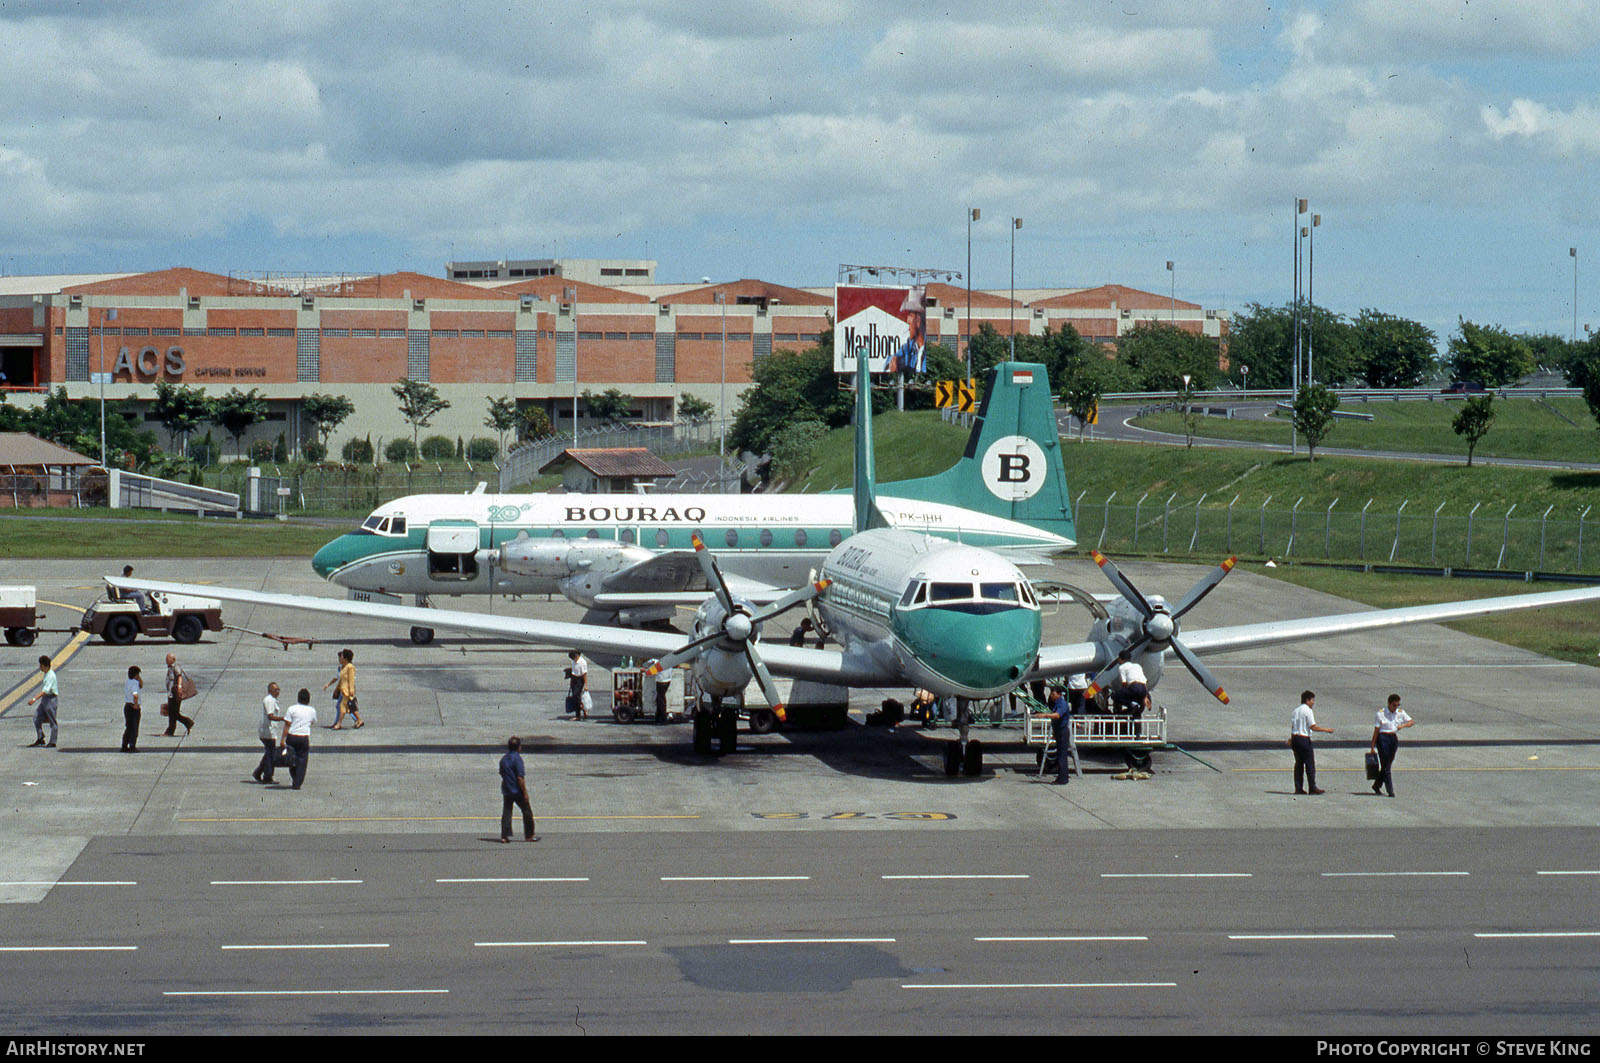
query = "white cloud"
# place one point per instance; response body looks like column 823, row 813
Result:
column 1564, row 133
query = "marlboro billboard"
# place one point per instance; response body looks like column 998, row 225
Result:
column 884, row 325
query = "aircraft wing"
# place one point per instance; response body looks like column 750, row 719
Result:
column 1273, row 632
column 823, row 666
column 1085, row 656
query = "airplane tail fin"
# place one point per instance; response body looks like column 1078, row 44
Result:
column 867, row 514
column 1012, row 465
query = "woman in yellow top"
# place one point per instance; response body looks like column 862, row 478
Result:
column 345, row 692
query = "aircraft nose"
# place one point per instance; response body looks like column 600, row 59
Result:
column 327, row 560
column 987, row 652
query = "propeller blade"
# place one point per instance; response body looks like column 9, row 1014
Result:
column 1120, row 582
column 769, row 689
column 1105, row 674
column 1201, row 672
column 789, row 601
column 713, row 574
column 686, row 653
column 1203, row 588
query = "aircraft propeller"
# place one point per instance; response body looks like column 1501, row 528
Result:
column 1159, row 625
column 738, row 626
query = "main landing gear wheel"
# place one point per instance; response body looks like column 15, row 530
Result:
column 421, row 636
column 972, row 762
column 728, row 730
column 763, row 721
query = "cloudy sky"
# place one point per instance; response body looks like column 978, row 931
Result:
column 1445, row 143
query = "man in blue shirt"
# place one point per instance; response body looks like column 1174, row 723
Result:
column 514, row 791
column 1060, row 715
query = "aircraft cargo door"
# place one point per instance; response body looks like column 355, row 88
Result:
column 453, row 550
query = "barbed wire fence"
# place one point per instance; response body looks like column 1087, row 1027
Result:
column 1467, row 536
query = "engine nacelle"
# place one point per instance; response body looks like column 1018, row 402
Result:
column 1121, row 627
column 581, row 566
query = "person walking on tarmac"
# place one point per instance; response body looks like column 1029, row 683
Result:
column 177, row 682
column 514, row 792
column 345, row 692
column 1301, row 723
column 1386, row 728
column 577, row 684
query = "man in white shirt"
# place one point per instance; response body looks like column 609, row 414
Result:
column 1301, row 723
column 48, row 697
column 578, row 683
column 270, row 732
column 1132, row 692
column 299, row 721
column 1386, row 728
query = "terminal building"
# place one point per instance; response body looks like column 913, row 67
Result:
column 541, row 331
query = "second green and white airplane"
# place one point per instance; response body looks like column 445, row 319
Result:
column 1006, row 494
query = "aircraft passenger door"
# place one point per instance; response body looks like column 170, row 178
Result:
column 453, row 550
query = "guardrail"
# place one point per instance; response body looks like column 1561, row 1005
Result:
column 131, row 490
column 1355, row 394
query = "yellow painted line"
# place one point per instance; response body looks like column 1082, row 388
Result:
column 65, row 654
column 63, row 605
column 416, row 819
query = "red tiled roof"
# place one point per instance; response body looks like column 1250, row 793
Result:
column 635, row 462
column 20, row 448
column 749, row 289
column 551, row 289
column 1126, row 299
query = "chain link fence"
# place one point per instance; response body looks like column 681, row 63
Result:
column 523, row 463
column 1470, row 535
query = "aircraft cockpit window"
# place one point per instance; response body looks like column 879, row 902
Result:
column 383, row 526
column 922, row 594
column 999, row 592
column 911, row 593
column 397, row 526
column 372, row 522
column 1027, row 595
column 949, row 592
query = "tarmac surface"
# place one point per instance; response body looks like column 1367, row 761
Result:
column 814, row 881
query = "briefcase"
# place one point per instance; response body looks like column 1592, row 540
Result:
column 1372, row 767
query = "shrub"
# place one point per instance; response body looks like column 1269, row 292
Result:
column 401, row 450
column 314, row 451
column 434, row 448
column 482, row 449
column 261, row 451
column 358, row 450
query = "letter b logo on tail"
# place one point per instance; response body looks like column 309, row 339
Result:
column 1013, row 468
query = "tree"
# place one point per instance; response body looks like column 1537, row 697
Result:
column 503, row 417
column 1080, row 394
column 1159, row 355
column 534, row 423
column 610, row 405
column 326, row 413
column 1313, row 414
column 1474, row 421
column 236, row 411
column 1583, row 371
column 1489, row 355
column 790, row 387
column 693, row 409
column 180, row 409
column 1393, row 351
column 419, row 401
column 1262, row 337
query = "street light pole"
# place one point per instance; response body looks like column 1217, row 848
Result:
column 722, row 387
column 572, row 296
column 1573, row 251
column 1172, row 296
column 1311, row 300
column 1016, row 223
column 972, row 216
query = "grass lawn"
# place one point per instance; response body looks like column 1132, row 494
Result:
column 99, row 533
column 1558, row 429
column 1570, row 633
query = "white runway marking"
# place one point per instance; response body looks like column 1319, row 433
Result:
column 555, row 944
column 1192, row 874
column 291, row 882
column 68, row 884
column 1067, row 937
column 69, row 948
column 1567, row 872
column 1047, row 985
column 811, row 941
column 304, row 992
column 893, row 878
column 736, row 878
column 1546, row 934
column 283, row 946
column 1310, row 937
column 448, row 880
column 1392, row 874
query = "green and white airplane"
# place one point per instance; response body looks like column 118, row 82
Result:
column 908, row 610
column 1007, row 494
